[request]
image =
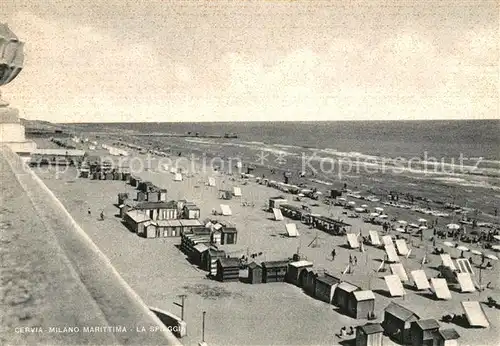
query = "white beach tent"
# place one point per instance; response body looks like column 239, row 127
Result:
column 465, row 282
column 401, row 246
column 278, row 216
column 464, row 266
column 173, row 170
column 237, row 191
column 420, row 279
column 225, row 210
column 447, row 261
column 399, row 270
column 374, row 239
column 392, row 256
column 178, row 177
column 475, row 314
column 394, row 285
column 211, row 181
column 352, row 240
column 387, row 240
column 441, row 289
column 291, row 230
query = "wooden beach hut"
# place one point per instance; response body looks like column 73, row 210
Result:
column 228, row 269
column 153, row 196
column 447, row 337
column 191, row 211
column 324, row 287
column 158, row 210
column 423, row 332
column 370, row 334
column 342, row 293
column 397, row 322
column 149, row 229
column 163, row 195
column 141, row 196
column 210, row 258
column 135, row 220
column 274, row 271
column 296, row 271
column 309, row 285
column 198, row 252
column 361, row 304
column 254, row 273
column 229, row 234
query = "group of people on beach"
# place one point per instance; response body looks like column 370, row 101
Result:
column 101, row 216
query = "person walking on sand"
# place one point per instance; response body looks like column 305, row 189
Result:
column 89, row 212
column 334, row 253
column 102, row 215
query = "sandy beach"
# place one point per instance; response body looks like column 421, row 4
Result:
column 239, row 313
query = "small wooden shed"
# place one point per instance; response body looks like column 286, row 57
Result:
column 254, row 273
column 229, row 235
column 342, row 294
column 228, row 269
column 309, row 285
column 423, row 332
column 296, row 271
column 447, row 337
column 325, row 287
column 370, row 334
column 274, row 271
column 361, row 304
column 209, row 260
column 397, row 322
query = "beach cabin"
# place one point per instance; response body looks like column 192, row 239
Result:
column 158, row 210
column 198, row 252
column 324, row 287
column 309, row 285
column 274, row 271
column 291, row 211
column 228, row 269
column 225, row 194
column 229, row 234
column 328, row 224
column 342, row 293
column 153, row 196
column 133, row 181
column 296, row 272
column 447, row 337
column 361, row 304
column 254, row 273
column 423, row 332
column 209, row 260
column 134, row 219
column 190, row 226
column 191, row 211
column 397, row 322
column 149, row 229
column 370, row 334
column 275, row 202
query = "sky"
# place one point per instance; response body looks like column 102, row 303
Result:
column 158, row 60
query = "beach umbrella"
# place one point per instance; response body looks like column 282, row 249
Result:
column 364, row 206
column 423, row 228
column 301, row 195
column 493, row 257
column 359, row 210
column 448, row 243
column 342, row 199
column 496, row 247
column 383, row 216
column 351, row 203
column 379, row 209
column 497, row 237
column 462, row 248
column 422, row 220
column 476, row 252
column 413, row 225
column 453, row 226
column 402, row 222
column 374, row 214
column 402, row 230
